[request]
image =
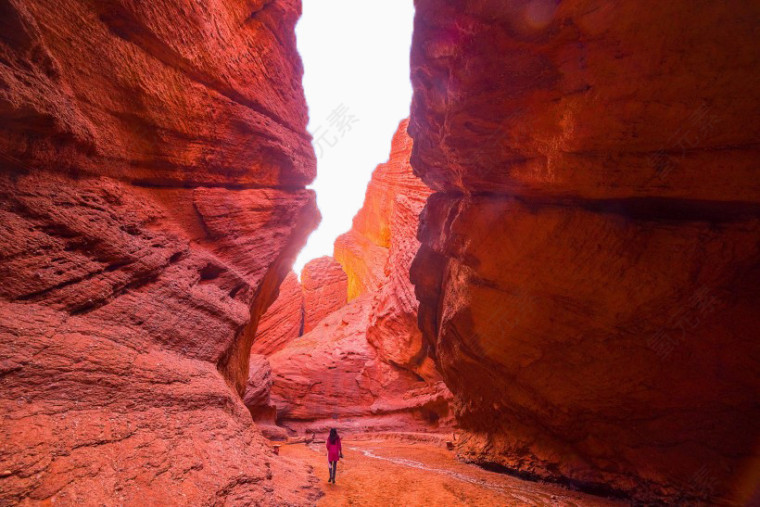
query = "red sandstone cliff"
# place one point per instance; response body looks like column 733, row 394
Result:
column 377, row 254
column 333, row 377
column 364, row 250
column 324, row 290
column 153, row 159
column 283, row 320
column 301, row 305
column 365, row 365
column 589, row 269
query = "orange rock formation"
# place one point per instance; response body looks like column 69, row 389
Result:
column 324, row 290
column 589, row 269
column 154, row 157
column 364, row 366
column 333, row 377
column 283, row 320
column 301, row 306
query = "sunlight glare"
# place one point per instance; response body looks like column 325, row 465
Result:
column 356, row 81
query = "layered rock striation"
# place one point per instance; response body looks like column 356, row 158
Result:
column 377, row 254
column 154, row 158
column 324, row 290
column 301, row 305
column 283, row 320
column 364, row 366
column 588, row 274
column 334, row 377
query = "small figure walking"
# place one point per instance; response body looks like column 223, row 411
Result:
column 334, row 452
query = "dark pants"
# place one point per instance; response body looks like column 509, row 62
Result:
column 333, row 467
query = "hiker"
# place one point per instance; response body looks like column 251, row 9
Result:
column 334, row 452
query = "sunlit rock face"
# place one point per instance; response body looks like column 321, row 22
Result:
column 301, row 305
column 153, row 161
column 389, row 213
column 389, row 218
column 324, row 290
column 333, row 377
column 364, row 366
column 588, row 274
column 283, row 320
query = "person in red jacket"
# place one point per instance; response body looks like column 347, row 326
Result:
column 334, row 452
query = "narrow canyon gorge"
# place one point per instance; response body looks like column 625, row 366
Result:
column 348, row 351
column 549, row 296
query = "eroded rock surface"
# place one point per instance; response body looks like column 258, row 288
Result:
column 589, row 270
column 301, row 305
column 387, row 219
column 156, row 92
column 283, row 320
column 333, row 377
column 153, row 161
column 365, row 365
column 324, row 287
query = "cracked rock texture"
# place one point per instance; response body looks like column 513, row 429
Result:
column 590, row 261
column 153, row 159
column 364, row 366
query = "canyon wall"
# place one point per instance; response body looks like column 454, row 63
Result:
column 301, row 305
column 590, row 262
column 153, row 163
column 283, row 320
column 363, row 366
column 334, row 377
column 377, row 254
column 324, row 290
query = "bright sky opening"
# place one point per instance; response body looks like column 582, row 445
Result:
column 356, row 79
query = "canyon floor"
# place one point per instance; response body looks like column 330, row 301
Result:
column 382, row 472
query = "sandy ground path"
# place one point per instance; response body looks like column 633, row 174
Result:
column 391, row 473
